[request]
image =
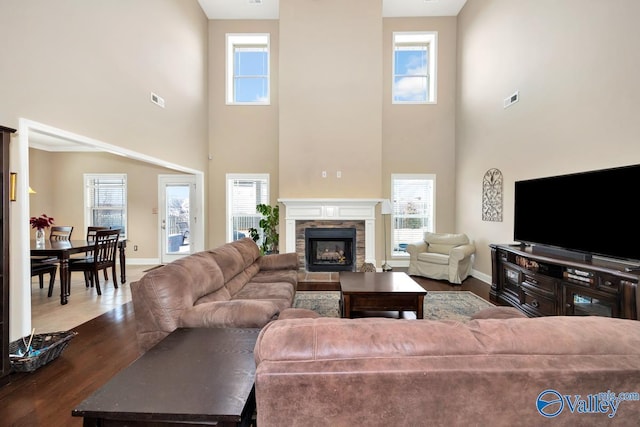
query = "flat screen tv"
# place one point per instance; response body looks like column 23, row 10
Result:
column 590, row 213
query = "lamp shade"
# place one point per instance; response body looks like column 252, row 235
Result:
column 385, row 207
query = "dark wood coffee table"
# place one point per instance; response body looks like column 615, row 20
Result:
column 194, row 376
column 391, row 291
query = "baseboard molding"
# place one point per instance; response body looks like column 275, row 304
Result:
column 481, row 276
column 143, row 261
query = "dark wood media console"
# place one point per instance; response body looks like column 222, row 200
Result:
column 543, row 285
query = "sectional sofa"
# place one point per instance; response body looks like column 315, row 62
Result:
column 505, row 372
column 229, row 286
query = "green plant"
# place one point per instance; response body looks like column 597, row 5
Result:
column 269, row 225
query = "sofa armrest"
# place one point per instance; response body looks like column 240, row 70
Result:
column 415, row 248
column 287, row 261
column 461, row 252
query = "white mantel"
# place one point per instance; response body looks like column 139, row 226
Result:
column 332, row 209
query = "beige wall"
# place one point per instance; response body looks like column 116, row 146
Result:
column 242, row 139
column 421, row 138
column 58, row 181
column 575, row 63
column 88, row 67
column 330, row 98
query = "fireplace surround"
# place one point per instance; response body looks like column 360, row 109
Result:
column 331, row 213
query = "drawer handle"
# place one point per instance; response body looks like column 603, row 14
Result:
column 535, row 303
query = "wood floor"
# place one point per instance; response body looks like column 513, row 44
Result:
column 104, row 346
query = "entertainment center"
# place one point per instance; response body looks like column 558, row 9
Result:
column 577, row 250
column 542, row 285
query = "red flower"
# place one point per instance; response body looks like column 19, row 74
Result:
column 41, row 222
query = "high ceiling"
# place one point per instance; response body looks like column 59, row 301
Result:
column 269, row 9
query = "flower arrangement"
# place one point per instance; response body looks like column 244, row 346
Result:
column 43, row 221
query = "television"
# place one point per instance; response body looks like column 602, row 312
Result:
column 583, row 214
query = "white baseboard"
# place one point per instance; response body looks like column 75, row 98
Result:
column 143, row 261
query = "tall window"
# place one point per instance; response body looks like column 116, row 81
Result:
column 413, row 199
column 414, row 67
column 105, row 199
column 244, row 192
column 248, row 69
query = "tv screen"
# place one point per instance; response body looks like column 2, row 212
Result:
column 590, row 212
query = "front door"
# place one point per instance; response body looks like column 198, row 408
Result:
column 177, row 195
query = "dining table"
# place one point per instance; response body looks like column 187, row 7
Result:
column 63, row 249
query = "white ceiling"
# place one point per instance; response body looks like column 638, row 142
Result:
column 269, row 9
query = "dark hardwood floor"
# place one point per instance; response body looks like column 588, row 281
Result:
column 103, row 347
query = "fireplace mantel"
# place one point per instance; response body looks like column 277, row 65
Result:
column 329, row 210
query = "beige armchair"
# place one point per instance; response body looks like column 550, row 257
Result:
column 442, row 256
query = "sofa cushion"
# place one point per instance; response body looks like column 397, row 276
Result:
column 269, row 276
column 232, row 314
column 233, row 258
column 333, row 339
column 276, row 290
column 498, row 313
column 434, row 258
column 443, row 243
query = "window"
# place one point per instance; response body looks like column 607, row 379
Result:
column 106, row 201
column 414, row 67
column 248, row 69
column 413, row 210
column 244, row 192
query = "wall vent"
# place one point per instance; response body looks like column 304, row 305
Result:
column 508, row 102
column 158, row 100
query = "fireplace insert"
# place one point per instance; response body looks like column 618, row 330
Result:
column 330, row 249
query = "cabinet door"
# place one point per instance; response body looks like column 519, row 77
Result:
column 583, row 302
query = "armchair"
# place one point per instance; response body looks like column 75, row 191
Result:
column 442, row 257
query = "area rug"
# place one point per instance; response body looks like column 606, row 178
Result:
column 438, row 305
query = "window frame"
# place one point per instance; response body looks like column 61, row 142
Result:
column 230, row 180
column 89, row 208
column 394, row 215
column 232, row 40
column 431, row 43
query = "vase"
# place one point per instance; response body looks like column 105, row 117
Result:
column 39, row 237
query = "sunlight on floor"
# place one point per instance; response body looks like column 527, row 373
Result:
column 47, row 315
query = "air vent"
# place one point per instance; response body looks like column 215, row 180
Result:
column 159, row 101
column 508, row 102
column 255, row 1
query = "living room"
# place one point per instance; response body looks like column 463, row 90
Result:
column 89, row 67
column 97, row 85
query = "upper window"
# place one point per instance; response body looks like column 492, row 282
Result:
column 244, row 193
column 248, row 69
column 414, row 67
column 413, row 210
column 106, row 201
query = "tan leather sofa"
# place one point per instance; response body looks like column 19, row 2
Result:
column 390, row 372
column 442, row 256
column 230, row 286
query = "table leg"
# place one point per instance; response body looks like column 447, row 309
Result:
column 420, row 307
column 65, row 281
column 346, row 307
column 123, row 263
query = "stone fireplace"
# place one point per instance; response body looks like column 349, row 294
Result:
column 355, row 215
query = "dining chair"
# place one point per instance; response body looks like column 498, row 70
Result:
column 41, row 265
column 40, row 269
column 60, row 232
column 103, row 256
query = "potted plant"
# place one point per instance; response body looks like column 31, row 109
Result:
column 269, row 225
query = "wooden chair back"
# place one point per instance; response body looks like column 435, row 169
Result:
column 104, row 249
column 60, row 232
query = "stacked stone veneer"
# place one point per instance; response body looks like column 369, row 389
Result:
column 300, row 240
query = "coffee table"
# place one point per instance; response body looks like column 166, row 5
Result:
column 388, row 291
column 200, row 376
